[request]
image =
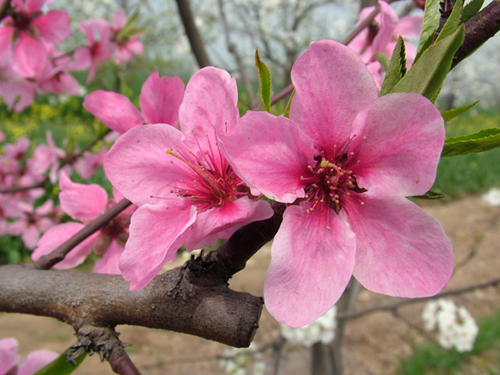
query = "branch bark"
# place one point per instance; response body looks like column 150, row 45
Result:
column 195, row 40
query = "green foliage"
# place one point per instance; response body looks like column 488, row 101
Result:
column 453, row 22
column 60, row 366
column 471, row 9
column 430, row 195
column 471, row 173
column 427, row 75
column 286, row 113
column 264, row 83
column 484, row 140
column 429, row 26
column 396, row 68
column 455, row 112
column 429, row 358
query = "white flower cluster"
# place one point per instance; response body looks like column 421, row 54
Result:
column 492, row 197
column 321, row 330
column 456, row 326
column 237, row 361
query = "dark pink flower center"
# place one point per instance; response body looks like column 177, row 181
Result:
column 331, row 183
column 211, row 183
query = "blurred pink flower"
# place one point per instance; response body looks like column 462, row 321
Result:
column 128, row 46
column 46, row 157
column 34, row 362
column 85, row 203
column 345, row 160
column 186, row 190
column 159, row 101
column 382, row 37
column 99, row 48
column 28, row 31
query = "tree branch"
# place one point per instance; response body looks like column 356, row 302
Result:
column 48, row 261
column 195, row 40
column 484, row 25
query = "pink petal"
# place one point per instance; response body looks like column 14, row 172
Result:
column 81, row 202
column 312, row 262
column 270, row 153
column 402, row 251
column 161, row 98
column 210, row 100
column 33, row 5
column 54, row 26
column 23, row 91
column 404, row 139
column 36, row 361
column 225, row 220
column 116, row 111
column 332, row 84
column 388, row 21
column 30, row 236
column 119, row 18
column 56, row 236
column 8, row 354
column 409, row 27
column 156, row 234
column 109, row 263
column 5, row 39
column 82, row 59
column 29, row 57
column 139, row 167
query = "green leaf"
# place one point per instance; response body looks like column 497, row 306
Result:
column 429, row 25
column 453, row 22
column 383, row 60
column 60, row 366
column 264, row 83
column 287, row 108
column 484, row 140
column 427, row 75
column 430, row 195
column 471, row 9
column 396, row 68
column 452, row 113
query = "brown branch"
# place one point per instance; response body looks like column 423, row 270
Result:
column 391, row 307
column 194, row 37
column 48, row 261
column 484, row 25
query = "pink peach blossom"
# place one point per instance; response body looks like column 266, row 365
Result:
column 344, row 162
column 34, row 362
column 128, row 46
column 186, row 190
column 85, row 203
column 159, row 101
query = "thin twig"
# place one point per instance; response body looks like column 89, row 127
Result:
column 48, row 261
column 359, row 314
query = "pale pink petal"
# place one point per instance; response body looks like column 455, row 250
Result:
column 119, row 18
column 82, row 59
column 8, row 354
column 398, row 144
column 29, row 56
column 17, row 227
column 135, row 46
column 332, row 84
column 109, row 263
column 116, row 111
column 81, row 202
column 22, row 91
column 312, row 262
column 270, row 153
column 156, row 233
column 409, row 27
column 33, row 5
column 139, row 167
column 374, row 68
column 87, row 165
column 56, row 236
column 36, row 361
column 161, row 98
column 5, row 39
column 225, row 220
column 54, row 26
column 402, row 251
column 45, row 208
column 44, row 224
column 210, row 100
column 388, row 20
column 30, row 236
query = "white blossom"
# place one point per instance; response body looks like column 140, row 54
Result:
column 321, row 330
column 240, row 361
column 492, row 197
column 456, row 326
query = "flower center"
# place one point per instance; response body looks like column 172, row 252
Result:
column 211, row 181
column 331, row 184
